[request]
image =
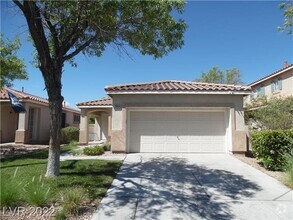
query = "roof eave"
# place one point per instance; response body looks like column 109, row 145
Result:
column 94, row 106
column 180, row 92
column 270, row 76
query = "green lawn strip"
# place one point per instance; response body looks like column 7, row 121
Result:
column 94, row 176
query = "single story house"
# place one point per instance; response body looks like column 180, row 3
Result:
column 169, row 116
column 31, row 126
column 276, row 84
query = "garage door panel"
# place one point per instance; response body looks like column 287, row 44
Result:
column 159, row 148
column 183, row 147
column 170, row 147
column 177, row 132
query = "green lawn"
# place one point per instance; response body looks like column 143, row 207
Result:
column 23, row 177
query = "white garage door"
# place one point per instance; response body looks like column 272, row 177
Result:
column 170, row 131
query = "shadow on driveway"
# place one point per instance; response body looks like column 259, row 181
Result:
column 173, row 188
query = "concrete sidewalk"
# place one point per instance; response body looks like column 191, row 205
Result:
column 109, row 157
column 193, row 186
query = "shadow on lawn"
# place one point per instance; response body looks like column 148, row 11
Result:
column 73, row 167
column 174, row 187
column 36, row 154
column 95, row 176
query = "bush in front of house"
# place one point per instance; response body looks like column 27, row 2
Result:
column 36, row 192
column 69, row 134
column 10, row 195
column 93, row 151
column 106, row 146
column 275, row 113
column 271, row 146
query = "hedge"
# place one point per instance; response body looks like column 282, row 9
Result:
column 271, row 146
column 93, row 151
column 106, row 146
column 69, row 134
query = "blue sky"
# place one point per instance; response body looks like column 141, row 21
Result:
column 226, row 34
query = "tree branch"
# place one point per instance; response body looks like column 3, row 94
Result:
column 79, row 49
column 19, row 5
column 70, row 39
column 33, row 17
column 54, row 33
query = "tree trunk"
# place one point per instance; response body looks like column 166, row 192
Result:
column 54, row 87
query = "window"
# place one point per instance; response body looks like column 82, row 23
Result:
column 63, row 121
column 253, row 95
column 76, row 119
column 276, row 85
column 260, row 91
column 31, row 122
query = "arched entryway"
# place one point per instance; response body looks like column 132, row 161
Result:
column 96, row 121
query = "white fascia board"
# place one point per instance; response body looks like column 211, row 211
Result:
column 269, row 77
column 88, row 106
column 181, row 92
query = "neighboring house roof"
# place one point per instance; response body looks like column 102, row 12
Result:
column 23, row 96
column 174, row 86
column 104, row 102
column 274, row 74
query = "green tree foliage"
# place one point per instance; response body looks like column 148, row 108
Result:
column 288, row 17
column 276, row 113
column 215, row 75
column 270, row 147
column 62, row 29
column 12, row 67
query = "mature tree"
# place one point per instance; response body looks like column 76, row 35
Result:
column 12, row 67
column 215, row 75
column 288, row 17
column 62, row 29
column 233, row 76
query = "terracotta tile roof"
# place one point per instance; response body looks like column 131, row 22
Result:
column 107, row 102
column 272, row 75
column 21, row 96
column 177, row 86
column 26, row 96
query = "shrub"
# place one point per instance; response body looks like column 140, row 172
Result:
column 106, row 146
column 10, row 193
column 60, row 214
column 71, row 201
column 93, row 151
column 36, row 193
column 69, row 134
column 275, row 113
column 73, row 144
column 270, row 147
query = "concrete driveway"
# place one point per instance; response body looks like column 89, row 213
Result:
column 193, row 186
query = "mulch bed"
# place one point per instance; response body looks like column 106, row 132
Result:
column 11, row 150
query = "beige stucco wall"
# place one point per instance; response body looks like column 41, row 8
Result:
column 42, row 123
column 122, row 102
column 69, row 121
column 287, row 86
column 14, row 127
column 8, row 123
column 101, row 128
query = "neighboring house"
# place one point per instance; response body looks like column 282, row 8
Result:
column 169, row 116
column 31, row 126
column 277, row 84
